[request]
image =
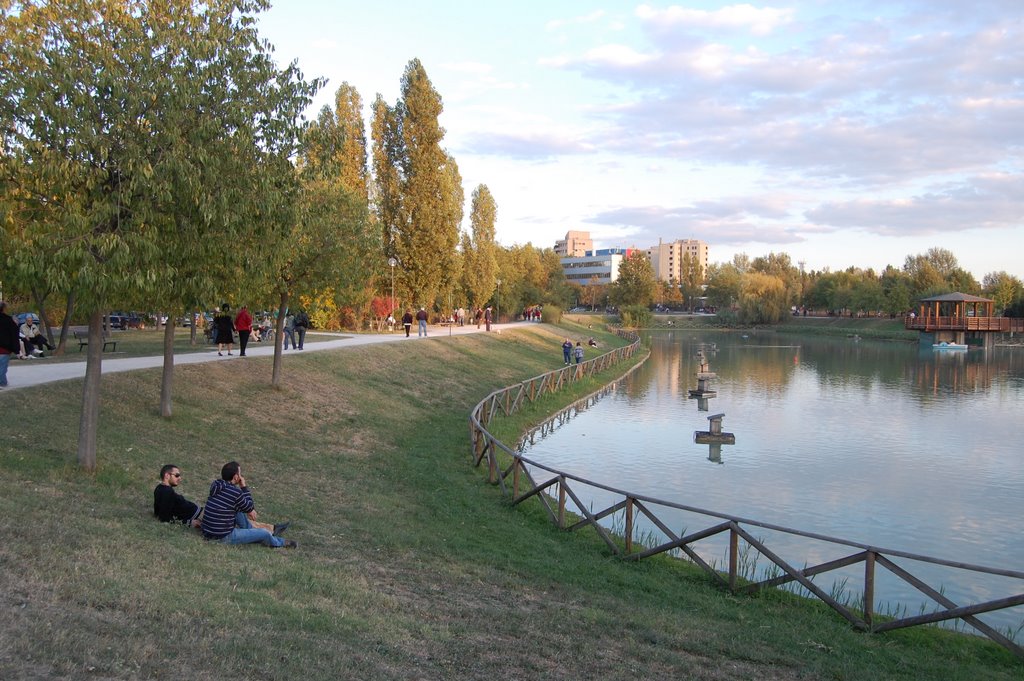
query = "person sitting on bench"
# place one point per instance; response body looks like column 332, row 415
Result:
column 34, row 341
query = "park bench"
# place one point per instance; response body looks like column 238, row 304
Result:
column 83, row 340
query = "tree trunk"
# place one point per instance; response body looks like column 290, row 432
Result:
column 40, row 303
column 62, row 344
column 167, row 380
column 279, row 340
column 89, row 421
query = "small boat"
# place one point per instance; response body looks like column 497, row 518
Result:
column 949, row 346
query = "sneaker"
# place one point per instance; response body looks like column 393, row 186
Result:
column 220, row 354
column 290, row 544
column 30, row 357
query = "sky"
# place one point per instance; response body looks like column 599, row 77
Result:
column 841, row 133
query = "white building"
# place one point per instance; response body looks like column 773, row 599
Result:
column 596, row 267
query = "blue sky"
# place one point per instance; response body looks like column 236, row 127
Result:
column 844, row 134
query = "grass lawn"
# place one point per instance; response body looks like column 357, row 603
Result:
column 409, row 565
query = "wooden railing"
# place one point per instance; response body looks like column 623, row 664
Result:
column 560, row 489
column 997, row 324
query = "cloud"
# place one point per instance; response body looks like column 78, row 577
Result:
column 555, row 24
column 747, row 18
column 732, row 221
column 993, row 201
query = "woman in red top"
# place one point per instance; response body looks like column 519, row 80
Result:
column 243, row 325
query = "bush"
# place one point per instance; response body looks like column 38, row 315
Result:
column 636, row 316
column 551, row 314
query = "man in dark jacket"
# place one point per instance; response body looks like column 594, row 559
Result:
column 168, row 505
column 8, row 341
column 301, row 324
column 230, row 511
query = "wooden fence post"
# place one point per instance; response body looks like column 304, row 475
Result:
column 734, row 557
column 869, row 588
column 629, row 525
column 516, row 465
column 561, row 502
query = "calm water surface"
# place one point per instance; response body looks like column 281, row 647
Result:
column 882, row 443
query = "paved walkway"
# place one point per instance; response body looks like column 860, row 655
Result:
column 29, row 372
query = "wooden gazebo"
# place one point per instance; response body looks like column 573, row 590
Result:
column 960, row 318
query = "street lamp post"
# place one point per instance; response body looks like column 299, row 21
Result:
column 392, row 262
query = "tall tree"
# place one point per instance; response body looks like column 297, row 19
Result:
column 328, row 244
column 335, row 143
column 104, row 108
column 417, row 193
column 635, row 284
column 481, row 259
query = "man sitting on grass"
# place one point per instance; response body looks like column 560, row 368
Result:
column 171, row 507
column 230, row 512
column 168, row 505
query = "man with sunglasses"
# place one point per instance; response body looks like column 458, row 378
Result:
column 168, row 505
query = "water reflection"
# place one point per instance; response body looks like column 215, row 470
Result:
column 875, row 442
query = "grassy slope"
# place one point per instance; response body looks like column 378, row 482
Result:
column 409, row 565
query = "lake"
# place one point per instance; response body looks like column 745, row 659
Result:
column 884, row 443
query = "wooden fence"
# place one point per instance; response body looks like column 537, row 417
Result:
column 559, row 489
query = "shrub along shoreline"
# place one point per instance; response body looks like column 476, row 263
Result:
column 409, row 565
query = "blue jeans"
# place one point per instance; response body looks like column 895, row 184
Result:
column 289, row 337
column 245, row 533
column 301, row 330
column 423, row 327
column 5, row 359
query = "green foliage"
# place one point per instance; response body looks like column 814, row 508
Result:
column 551, row 314
column 418, row 194
column 763, row 299
column 481, row 266
column 636, row 316
column 635, row 284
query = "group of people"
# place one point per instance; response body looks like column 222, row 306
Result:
column 569, row 352
column 230, row 512
column 24, row 342
column 225, row 326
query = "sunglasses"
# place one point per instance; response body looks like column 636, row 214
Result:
column 176, row 475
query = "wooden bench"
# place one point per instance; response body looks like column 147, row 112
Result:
column 83, row 340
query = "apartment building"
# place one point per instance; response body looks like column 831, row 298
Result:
column 574, row 245
column 667, row 259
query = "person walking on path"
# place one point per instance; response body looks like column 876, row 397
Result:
column 301, row 324
column 421, row 317
column 579, row 352
column 230, row 511
column 407, row 322
column 289, row 330
column 479, row 315
column 224, row 329
column 567, row 352
column 487, row 318
column 243, row 324
column 9, row 343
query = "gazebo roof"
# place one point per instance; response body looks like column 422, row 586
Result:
column 956, row 298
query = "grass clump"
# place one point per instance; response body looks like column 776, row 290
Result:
column 409, row 565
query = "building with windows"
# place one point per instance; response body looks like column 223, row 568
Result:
column 595, row 267
column 574, row 245
column 667, row 259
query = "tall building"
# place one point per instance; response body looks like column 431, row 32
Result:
column 574, row 245
column 667, row 259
